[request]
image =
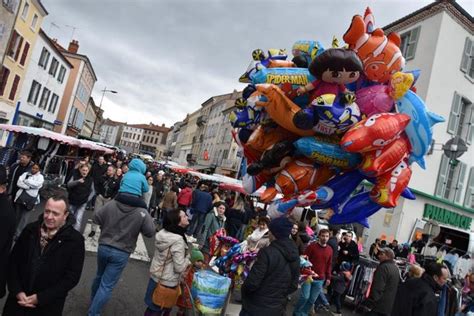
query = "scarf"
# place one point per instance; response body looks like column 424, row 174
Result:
column 176, row 229
column 46, row 236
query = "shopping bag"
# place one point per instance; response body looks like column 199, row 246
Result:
column 210, row 291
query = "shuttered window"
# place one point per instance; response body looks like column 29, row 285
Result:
column 409, row 42
column 459, row 183
column 442, row 175
column 461, row 118
column 15, row 84
column 469, row 197
column 467, row 63
column 4, row 74
column 453, row 122
column 24, row 55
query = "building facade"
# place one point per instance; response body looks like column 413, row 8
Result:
column 189, row 138
column 17, row 56
column 131, row 138
column 44, row 85
column 111, row 132
column 8, row 12
column 153, row 141
column 438, row 39
column 92, row 121
column 218, row 145
column 78, row 90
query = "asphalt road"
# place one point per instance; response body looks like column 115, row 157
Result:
column 127, row 297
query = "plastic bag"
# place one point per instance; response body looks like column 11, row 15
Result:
column 210, row 291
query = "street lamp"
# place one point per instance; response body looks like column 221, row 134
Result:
column 100, row 106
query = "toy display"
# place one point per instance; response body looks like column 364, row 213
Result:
column 335, row 129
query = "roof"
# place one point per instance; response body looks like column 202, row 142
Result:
column 221, row 97
column 55, row 47
column 76, row 55
column 42, row 8
column 112, row 123
column 151, row 127
column 451, row 6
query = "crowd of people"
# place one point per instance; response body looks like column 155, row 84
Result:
column 43, row 260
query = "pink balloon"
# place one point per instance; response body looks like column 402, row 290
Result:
column 374, row 99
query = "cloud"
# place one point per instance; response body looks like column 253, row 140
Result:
column 167, row 57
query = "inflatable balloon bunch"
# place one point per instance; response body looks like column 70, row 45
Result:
column 314, row 128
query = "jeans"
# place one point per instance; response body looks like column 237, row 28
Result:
column 336, row 300
column 110, row 264
column 309, row 294
column 196, row 224
column 99, row 202
column 78, row 212
column 21, row 219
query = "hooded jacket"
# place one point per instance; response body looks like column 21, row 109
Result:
column 134, row 181
column 212, row 223
column 120, row 225
column 416, row 297
column 171, row 258
column 50, row 275
column 273, row 277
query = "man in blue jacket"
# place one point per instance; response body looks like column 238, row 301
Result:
column 201, row 204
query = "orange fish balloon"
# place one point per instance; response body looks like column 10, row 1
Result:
column 374, row 132
column 390, row 185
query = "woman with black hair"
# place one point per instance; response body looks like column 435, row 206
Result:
column 171, row 258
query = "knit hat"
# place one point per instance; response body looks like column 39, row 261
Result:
column 280, row 227
column 196, row 255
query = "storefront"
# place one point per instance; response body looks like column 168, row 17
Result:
column 406, row 222
column 25, row 119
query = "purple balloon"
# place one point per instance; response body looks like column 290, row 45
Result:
column 374, row 99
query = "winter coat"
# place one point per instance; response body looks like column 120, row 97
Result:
column 97, row 172
column 50, row 275
column 212, row 223
column 120, row 225
column 31, row 183
column 201, row 202
column 234, row 221
column 79, row 193
column 352, row 252
column 384, row 287
column 272, row 278
column 16, row 170
column 108, row 186
column 416, row 297
column 185, row 196
column 332, row 242
column 7, row 230
column 134, row 181
column 171, row 251
column 299, row 243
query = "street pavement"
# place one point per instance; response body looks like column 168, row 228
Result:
column 127, row 297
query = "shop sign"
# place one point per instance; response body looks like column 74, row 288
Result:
column 445, row 216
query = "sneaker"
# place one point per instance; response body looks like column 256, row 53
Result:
column 91, row 234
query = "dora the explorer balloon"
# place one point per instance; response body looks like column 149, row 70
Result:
column 333, row 69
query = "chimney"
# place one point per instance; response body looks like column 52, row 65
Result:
column 73, row 47
column 163, row 125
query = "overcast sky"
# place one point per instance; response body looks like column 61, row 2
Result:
column 166, row 57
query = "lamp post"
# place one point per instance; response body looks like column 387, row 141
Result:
column 100, row 107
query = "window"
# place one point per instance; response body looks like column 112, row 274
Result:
column 34, row 92
column 34, row 21
column 62, row 73
column 54, row 67
column 16, row 81
column 156, row 140
column 469, row 197
column 467, row 61
column 450, row 179
column 53, row 103
column 72, row 115
column 24, row 13
column 44, row 58
column 26, row 48
column 15, row 45
column 44, row 98
column 409, row 41
column 4, row 73
column 461, row 119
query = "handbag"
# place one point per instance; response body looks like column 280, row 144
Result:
column 164, row 296
column 26, row 200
